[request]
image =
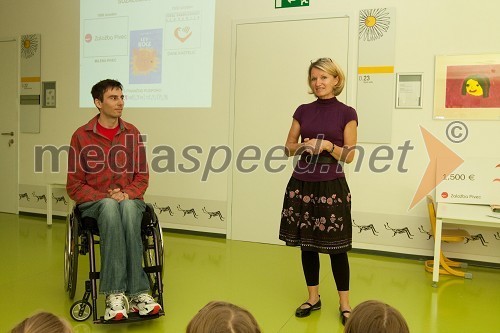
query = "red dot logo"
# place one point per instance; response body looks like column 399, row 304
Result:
column 88, row 38
column 444, row 195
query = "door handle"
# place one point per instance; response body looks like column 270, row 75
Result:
column 8, row 133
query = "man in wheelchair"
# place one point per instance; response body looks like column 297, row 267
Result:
column 107, row 178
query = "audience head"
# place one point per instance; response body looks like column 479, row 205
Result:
column 376, row 317
column 43, row 322
column 223, row 317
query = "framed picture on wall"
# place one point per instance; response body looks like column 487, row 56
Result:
column 467, row 87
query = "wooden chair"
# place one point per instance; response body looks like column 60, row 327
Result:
column 447, row 235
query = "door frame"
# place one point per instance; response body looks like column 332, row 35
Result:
column 17, row 136
column 350, row 92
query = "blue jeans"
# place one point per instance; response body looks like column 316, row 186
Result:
column 121, row 245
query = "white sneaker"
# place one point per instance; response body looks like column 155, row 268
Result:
column 116, row 307
column 145, row 304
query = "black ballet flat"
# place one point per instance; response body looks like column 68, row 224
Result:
column 343, row 316
column 307, row 311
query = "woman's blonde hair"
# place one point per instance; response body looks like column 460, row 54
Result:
column 331, row 67
column 376, row 317
column 223, row 317
column 43, row 322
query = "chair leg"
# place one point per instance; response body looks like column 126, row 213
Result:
column 448, row 268
column 446, row 265
column 429, row 265
column 453, row 263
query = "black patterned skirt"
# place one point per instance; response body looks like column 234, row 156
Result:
column 317, row 216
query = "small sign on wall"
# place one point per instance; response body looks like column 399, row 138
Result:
column 476, row 181
column 49, row 94
column 409, row 90
column 291, row 3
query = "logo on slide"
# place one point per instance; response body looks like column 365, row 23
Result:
column 88, row 38
column 182, row 34
column 444, row 195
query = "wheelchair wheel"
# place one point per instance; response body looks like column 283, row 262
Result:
column 80, row 310
column 71, row 255
column 151, row 258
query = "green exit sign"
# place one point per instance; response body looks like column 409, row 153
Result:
column 291, row 3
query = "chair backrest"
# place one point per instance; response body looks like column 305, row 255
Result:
column 432, row 213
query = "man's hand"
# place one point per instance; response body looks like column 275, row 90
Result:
column 117, row 194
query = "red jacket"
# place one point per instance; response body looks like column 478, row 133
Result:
column 96, row 164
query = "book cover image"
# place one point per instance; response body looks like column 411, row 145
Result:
column 145, row 56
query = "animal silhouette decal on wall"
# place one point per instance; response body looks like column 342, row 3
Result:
column 163, row 209
column 475, row 238
column 190, row 211
column 24, row 195
column 187, row 211
column 39, row 197
column 212, row 214
column 422, row 230
column 404, row 230
column 366, row 228
column 59, row 199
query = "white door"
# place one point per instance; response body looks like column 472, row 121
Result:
column 271, row 62
column 9, row 106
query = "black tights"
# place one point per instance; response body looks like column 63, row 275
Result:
column 340, row 269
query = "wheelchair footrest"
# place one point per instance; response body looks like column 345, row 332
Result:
column 132, row 317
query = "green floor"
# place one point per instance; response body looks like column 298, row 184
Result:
column 266, row 279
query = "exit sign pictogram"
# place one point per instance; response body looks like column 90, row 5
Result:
column 291, row 3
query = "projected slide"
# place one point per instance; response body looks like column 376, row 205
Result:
column 160, row 50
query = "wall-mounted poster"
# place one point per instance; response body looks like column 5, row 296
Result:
column 467, row 87
column 376, row 57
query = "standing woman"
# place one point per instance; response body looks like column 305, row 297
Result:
column 317, row 205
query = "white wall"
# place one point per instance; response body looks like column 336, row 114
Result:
column 424, row 29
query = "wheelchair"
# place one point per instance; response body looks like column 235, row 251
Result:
column 82, row 235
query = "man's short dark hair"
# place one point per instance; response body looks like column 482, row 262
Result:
column 101, row 87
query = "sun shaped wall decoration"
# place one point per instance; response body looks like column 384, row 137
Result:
column 373, row 23
column 29, row 45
